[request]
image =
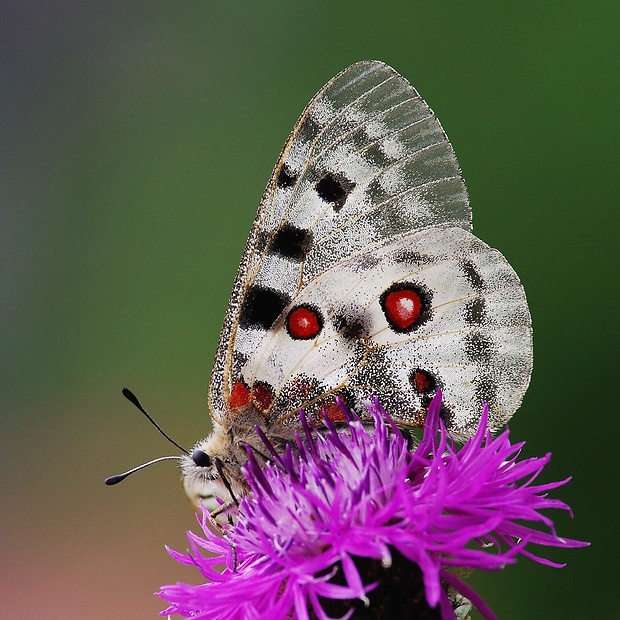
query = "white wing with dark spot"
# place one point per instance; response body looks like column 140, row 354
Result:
column 471, row 335
column 366, row 176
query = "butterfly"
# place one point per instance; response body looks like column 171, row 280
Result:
column 361, row 277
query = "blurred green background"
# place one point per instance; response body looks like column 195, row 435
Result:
column 136, row 139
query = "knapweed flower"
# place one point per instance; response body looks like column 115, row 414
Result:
column 354, row 523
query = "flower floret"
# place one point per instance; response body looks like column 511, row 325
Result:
column 331, row 521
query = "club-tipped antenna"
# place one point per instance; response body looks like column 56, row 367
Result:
column 120, row 477
column 132, row 398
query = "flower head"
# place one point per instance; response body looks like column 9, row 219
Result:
column 351, row 520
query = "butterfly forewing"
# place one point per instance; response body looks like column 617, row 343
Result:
column 367, row 195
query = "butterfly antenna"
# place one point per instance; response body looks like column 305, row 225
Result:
column 120, row 477
column 132, row 398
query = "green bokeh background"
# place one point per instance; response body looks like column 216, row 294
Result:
column 136, row 139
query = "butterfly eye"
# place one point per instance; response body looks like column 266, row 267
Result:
column 201, row 459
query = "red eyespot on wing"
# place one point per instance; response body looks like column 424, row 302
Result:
column 332, row 410
column 304, row 323
column 262, row 395
column 239, row 395
column 422, row 381
column 403, row 305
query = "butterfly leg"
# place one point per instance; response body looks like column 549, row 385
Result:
column 220, row 470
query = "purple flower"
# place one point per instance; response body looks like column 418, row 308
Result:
column 353, row 523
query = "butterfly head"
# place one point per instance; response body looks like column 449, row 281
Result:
column 212, row 470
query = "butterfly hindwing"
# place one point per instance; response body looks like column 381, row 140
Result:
column 435, row 309
column 367, row 162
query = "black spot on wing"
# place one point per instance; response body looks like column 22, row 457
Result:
column 486, row 389
column 407, row 256
column 350, row 323
column 334, row 189
column 376, row 192
column 475, row 311
column 286, row 177
column 479, row 348
column 377, row 374
column 472, row 274
column 375, row 155
column 309, row 130
column 262, row 306
column 366, row 262
column 292, row 242
column 240, row 358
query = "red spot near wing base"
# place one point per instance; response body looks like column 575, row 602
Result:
column 239, row 395
column 262, row 396
column 304, row 323
column 332, row 410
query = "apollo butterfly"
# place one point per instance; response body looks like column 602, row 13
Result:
column 361, row 277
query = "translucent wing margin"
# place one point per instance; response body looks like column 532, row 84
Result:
column 367, row 163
